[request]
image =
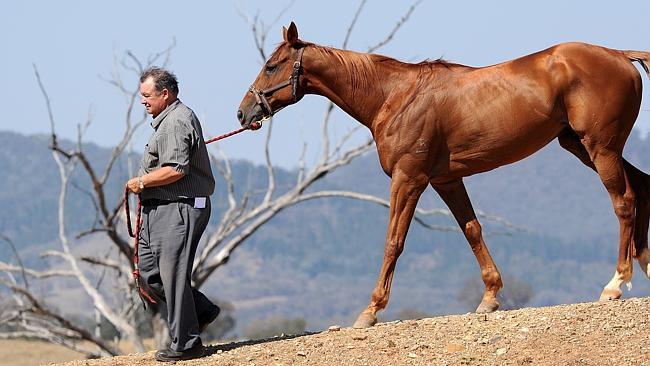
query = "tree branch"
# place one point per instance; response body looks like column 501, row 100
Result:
column 397, row 27
column 38, row 309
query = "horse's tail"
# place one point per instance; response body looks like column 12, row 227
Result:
column 643, row 58
column 640, row 183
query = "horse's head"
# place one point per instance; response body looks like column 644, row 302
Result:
column 278, row 83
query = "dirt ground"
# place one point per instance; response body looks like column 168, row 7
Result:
column 603, row 333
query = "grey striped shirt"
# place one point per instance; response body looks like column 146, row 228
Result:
column 177, row 142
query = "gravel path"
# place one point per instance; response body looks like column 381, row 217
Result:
column 603, row 333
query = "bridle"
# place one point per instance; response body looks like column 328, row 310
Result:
column 260, row 95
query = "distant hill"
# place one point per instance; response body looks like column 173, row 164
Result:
column 319, row 260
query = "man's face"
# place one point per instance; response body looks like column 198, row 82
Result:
column 154, row 101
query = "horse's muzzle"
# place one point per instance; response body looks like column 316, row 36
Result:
column 251, row 125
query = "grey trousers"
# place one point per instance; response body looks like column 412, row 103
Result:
column 167, row 244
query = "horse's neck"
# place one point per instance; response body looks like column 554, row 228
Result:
column 350, row 80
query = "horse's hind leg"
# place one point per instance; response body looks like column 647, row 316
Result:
column 640, row 183
column 608, row 163
column 610, row 167
column 456, row 198
column 641, row 186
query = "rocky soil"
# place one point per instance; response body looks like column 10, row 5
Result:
column 603, row 333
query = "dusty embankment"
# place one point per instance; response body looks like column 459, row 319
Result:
column 604, row 333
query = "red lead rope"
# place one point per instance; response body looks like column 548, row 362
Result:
column 225, row 135
column 138, row 226
column 138, row 220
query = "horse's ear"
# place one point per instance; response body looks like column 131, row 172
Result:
column 291, row 34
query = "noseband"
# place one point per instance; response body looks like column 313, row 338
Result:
column 260, row 95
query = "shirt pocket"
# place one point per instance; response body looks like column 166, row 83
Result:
column 150, row 156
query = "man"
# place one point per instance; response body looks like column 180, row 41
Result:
column 174, row 182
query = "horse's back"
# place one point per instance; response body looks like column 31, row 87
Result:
column 508, row 111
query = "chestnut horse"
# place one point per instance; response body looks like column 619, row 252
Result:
column 436, row 122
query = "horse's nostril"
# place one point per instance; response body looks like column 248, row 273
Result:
column 240, row 115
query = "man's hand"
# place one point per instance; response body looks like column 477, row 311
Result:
column 134, row 185
column 158, row 177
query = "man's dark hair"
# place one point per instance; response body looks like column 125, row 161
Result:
column 162, row 79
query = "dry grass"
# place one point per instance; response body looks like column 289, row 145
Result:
column 31, row 353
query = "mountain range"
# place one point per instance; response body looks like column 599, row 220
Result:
column 319, row 260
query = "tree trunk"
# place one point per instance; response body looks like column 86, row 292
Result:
column 160, row 330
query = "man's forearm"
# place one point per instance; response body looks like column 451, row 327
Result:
column 161, row 177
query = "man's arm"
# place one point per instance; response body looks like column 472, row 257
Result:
column 159, row 177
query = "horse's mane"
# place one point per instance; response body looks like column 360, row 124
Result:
column 370, row 57
column 438, row 61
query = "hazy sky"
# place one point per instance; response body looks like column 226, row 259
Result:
column 73, row 43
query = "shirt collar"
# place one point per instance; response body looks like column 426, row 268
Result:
column 159, row 118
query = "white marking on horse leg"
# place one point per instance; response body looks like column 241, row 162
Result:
column 613, row 289
column 644, row 261
column 616, row 281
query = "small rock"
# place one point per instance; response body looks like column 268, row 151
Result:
column 524, row 330
column 334, row 328
column 526, row 360
column 501, row 351
column 359, row 337
column 495, row 339
column 219, row 351
column 390, row 344
column 301, row 353
column 454, row 347
column 413, row 355
column 469, row 338
column 418, row 346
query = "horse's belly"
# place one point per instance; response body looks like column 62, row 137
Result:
column 503, row 147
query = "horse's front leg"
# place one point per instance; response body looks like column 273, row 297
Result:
column 405, row 191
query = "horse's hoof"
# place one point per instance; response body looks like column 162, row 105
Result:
column 610, row 294
column 487, row 306
column 365, row 320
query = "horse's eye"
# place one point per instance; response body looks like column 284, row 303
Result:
column 270, row 69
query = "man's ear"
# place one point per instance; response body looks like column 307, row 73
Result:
column 291, row 35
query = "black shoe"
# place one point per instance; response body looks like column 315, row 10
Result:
column 208, row 317
column 168, row 355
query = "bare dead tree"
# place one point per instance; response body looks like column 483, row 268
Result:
column 29, row 316
column 32, row 317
